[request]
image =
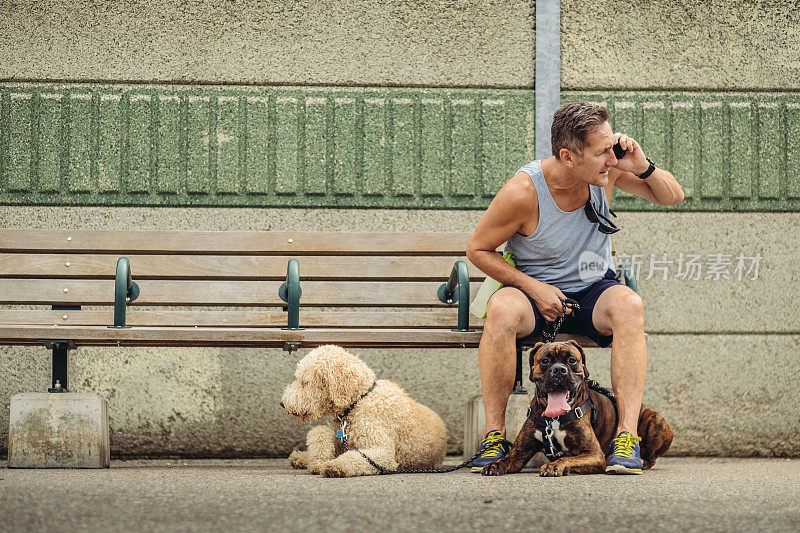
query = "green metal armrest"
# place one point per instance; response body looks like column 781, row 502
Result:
column 125, row 290
column 457, row 290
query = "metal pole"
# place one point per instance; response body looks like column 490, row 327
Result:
column 548, row 71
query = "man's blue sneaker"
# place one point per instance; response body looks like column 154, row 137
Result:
column 493, row 448
column 625, row 455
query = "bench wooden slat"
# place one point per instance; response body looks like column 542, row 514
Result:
column 231, row 242
column 256, row 337
column 231, row 293
column 230, row 267
column 398, row 318
column 100, row 335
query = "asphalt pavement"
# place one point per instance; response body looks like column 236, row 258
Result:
column 679, row 494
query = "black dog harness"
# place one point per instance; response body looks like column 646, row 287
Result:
column 552, row 449
column 545, row 424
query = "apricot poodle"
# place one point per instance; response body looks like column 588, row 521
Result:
column 383, row 421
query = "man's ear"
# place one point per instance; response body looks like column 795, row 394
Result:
column 583, row 357
column 569, row 158
column 531, row 358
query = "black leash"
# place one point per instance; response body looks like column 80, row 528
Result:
column 384, row 472
column 550, row 329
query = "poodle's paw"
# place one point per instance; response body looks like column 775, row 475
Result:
column 344, row 466
column 335, row 469
column 299, row 459
column 315, row 467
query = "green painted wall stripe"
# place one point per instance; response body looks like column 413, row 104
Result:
column 161, row 145
column 259, row 146
column 793, row 150
column 730, row 151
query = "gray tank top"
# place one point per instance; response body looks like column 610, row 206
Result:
column 566, row 250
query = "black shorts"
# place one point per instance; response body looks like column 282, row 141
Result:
column 580, row 322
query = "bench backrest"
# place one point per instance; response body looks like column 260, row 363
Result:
column 230, row 279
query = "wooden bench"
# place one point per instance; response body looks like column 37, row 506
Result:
column 64, row 289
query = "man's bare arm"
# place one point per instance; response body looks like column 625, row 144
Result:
column 660, row 188
column 511, row 207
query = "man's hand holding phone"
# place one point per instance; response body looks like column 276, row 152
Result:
column 630, row 156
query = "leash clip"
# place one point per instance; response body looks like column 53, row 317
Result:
column 342, row 434
column 551, row 451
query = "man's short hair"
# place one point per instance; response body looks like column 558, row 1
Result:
column 572, row 123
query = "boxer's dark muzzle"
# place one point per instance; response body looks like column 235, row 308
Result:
column 558, row 378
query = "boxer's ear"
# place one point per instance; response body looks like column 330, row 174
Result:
column 535, row 349
column 583, row 357
column 532, row 358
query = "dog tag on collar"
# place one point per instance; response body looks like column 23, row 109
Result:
column 341, row 435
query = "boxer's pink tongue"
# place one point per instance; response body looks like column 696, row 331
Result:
column 556, row 403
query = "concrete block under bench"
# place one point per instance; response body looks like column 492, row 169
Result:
column 58, row 430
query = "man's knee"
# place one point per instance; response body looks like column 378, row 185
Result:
column 626, row 310
column 506, row 312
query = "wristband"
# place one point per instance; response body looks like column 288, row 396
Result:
column 646, row 174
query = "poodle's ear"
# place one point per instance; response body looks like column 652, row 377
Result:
column 346, row 377
column 583, row 356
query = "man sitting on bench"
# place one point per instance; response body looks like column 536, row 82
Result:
column 554, row 215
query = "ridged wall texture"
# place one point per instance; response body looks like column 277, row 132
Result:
column 270, row 146
column 361, row 147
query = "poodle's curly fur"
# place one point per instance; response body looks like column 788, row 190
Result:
column 387, row 425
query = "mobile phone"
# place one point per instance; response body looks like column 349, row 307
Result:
column 618, row 151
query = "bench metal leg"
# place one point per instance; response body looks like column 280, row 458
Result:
column 60, row 368
column 60, row 375
column 518, row 381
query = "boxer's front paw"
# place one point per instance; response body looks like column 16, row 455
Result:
column 494, row 469
column 554, row 469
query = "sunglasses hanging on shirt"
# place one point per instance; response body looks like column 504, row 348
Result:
column 603, row 224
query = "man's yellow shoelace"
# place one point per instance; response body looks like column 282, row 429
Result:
column 494, row 445
column 624, row 444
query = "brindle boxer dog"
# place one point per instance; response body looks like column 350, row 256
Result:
column 559, row 372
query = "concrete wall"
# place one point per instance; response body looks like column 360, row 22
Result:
column 357, row 42
column 681, row 44
column 722, row 354
column 606, row 44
